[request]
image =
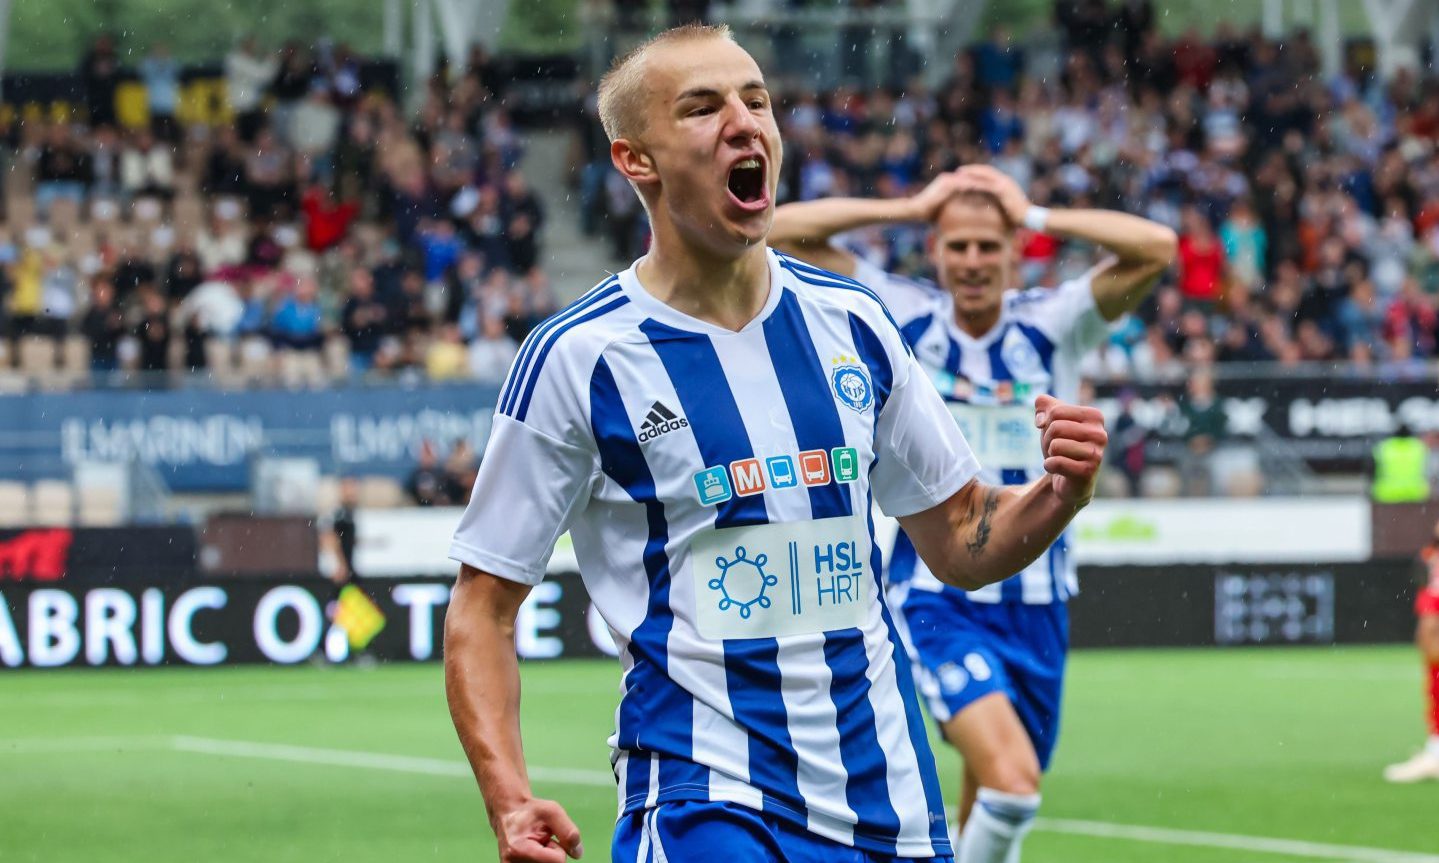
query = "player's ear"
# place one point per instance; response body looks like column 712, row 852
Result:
column 632, row 162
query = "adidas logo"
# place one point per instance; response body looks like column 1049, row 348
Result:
column 660, row 420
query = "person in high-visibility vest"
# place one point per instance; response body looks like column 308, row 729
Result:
column 1401, row 468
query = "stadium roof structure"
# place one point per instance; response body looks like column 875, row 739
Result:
column 450, row 26
column 1399, row 28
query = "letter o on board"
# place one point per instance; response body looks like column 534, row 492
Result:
column 267, row 636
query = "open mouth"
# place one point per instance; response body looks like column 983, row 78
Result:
column 746, row 181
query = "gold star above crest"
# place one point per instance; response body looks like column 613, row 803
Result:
column 844, row 360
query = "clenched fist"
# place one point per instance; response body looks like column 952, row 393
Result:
column 536, row 831
column 1073, row 444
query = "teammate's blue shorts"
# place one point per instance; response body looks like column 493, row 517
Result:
column 967, row 650
column 717, row 832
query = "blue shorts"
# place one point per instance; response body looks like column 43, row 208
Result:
column 700, row 831
column 967, row 650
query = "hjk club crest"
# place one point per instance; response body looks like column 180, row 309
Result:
column 851, row 384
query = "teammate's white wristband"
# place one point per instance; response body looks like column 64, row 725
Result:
column 1036, row 217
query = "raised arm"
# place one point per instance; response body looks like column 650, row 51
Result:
column 482, row 683
column 804, row 229
column 1140, row 250
column 983, row 533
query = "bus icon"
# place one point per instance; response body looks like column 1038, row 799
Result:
column 814, row 467
column 781, row 471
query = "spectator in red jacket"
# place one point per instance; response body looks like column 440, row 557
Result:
column 1201, row 259
column 327, row 219
column 1411, row 319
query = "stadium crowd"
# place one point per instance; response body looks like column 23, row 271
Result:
column 1308, row 206
column 323, row 233
column 326, row 232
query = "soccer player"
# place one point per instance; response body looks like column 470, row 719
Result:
column 990, row 661
column 712, row 426
column 1425, row 764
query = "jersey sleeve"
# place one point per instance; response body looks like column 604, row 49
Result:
column 906, row 300
column 536, row 477
column 921, row 456
column 1067, row 314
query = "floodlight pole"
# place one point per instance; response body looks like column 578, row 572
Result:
column 393, row 28
column 490, row 22
column 422, row 34
column 1273, row 19
column 455, row 20
column 1331, row 38
column 954, row 24
column 1399, row 27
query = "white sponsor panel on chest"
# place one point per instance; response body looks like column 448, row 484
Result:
column 995, row 415
column 773, row 580
column 1003, row 437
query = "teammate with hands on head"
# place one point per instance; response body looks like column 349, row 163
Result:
column 767, row 708
column 991, row 661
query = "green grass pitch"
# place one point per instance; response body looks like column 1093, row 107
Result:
column 1241, row 747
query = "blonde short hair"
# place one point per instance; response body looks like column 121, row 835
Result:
column 622, row 89
column 979, row 198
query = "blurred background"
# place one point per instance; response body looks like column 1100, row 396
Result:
column 263, row 267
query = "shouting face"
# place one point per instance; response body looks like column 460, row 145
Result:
column 707, row 158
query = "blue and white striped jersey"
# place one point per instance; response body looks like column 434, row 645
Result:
column 990, row 385
column 718, row 487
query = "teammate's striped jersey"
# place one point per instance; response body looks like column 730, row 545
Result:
column 990, row 384
column 718, row 486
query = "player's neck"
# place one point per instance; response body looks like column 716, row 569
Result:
column 726, row 292
column 977, row 325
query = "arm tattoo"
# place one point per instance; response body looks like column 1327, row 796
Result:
column 981, row 531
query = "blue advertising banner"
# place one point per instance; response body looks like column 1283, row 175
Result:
column 204, row 440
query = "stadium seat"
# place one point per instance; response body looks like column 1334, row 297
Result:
column 79, row 240
column 75, row 357
column 220, row 360
column 100, row 506
column 1160, row 482
column 204, row 100
column 189, row 213
column 14, row 504
column 19, row 213
column 1237, row 471
column 63, row 216
column 13, row 383
column 302, row 369
column 381, row 492
column 1112, row 484
column 175, row 351
column 337, row 357
column 132, row 106
column 147, row 213
column 37, row 355
column 255, row 359
column 327, row 495
column 52, row 503
column 61, row 111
